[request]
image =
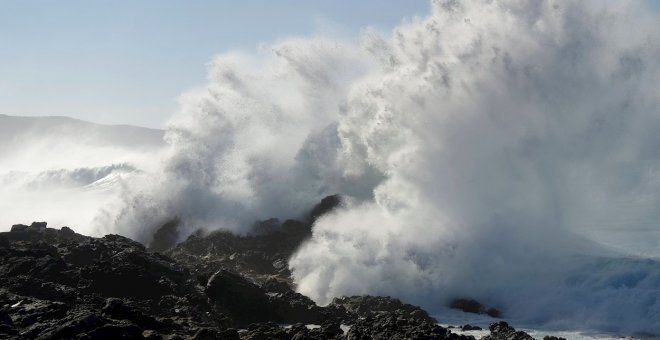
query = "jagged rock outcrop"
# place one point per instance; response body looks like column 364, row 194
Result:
column 366, row 305
column 378, row 317
column 166, row 236
column 398, row 325
column 326, row 205
column 502, row 331
column 57, row 284
column 247, row 302
column 262, row 255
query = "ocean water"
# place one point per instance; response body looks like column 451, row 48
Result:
column 455, row 318
column 643, row 243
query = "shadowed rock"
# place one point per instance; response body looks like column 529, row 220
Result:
column 166, row 236
column 395, row 325
column 473, row 306
column 260, row 255
column 502, row 331
column 326, row 205
column 61, row 285
column 365, row 304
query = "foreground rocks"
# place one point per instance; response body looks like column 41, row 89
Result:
column 502, row 331
column 57, row 284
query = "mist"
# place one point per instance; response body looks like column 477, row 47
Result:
column 506, row 131
column 65, row 171
column 259, row 141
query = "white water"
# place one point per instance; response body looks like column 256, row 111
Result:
column 454, row 318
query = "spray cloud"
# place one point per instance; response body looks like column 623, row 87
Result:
column 475, row 146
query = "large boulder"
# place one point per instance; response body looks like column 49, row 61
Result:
column 292, row 307
column 244, row 300
column 247, row 302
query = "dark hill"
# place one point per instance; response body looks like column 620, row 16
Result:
column 23, row 130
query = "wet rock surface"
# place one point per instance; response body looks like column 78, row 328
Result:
column 57, row 284
column 398, row 325
column 261, row 255
column 357, row 306
column 502, row 331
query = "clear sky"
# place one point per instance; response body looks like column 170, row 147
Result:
column 127, row 61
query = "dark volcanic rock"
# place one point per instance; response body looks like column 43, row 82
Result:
column 93, row 326
column 365, row 305
column 375, row 317
column 59, row 284
column 473, row 306
column 502, row 331
column 166, row 236
column 467, row 305
column 327, row 204
column 7, row 328
column 123, row 268
column 39, row 225
column 332, row 329
column 242, row 299
column 292, row 307
column 469, row 327
column 17, row 228
column 37, row 231
column 267, row 331
column 246, row 302
column 259, row 256
column 398, row 325
column 117, row 309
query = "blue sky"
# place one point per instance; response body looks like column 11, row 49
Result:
column 127, row 61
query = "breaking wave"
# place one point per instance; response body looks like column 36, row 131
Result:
column 475, row 148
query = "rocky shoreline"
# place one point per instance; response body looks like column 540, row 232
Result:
column 57, row 284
